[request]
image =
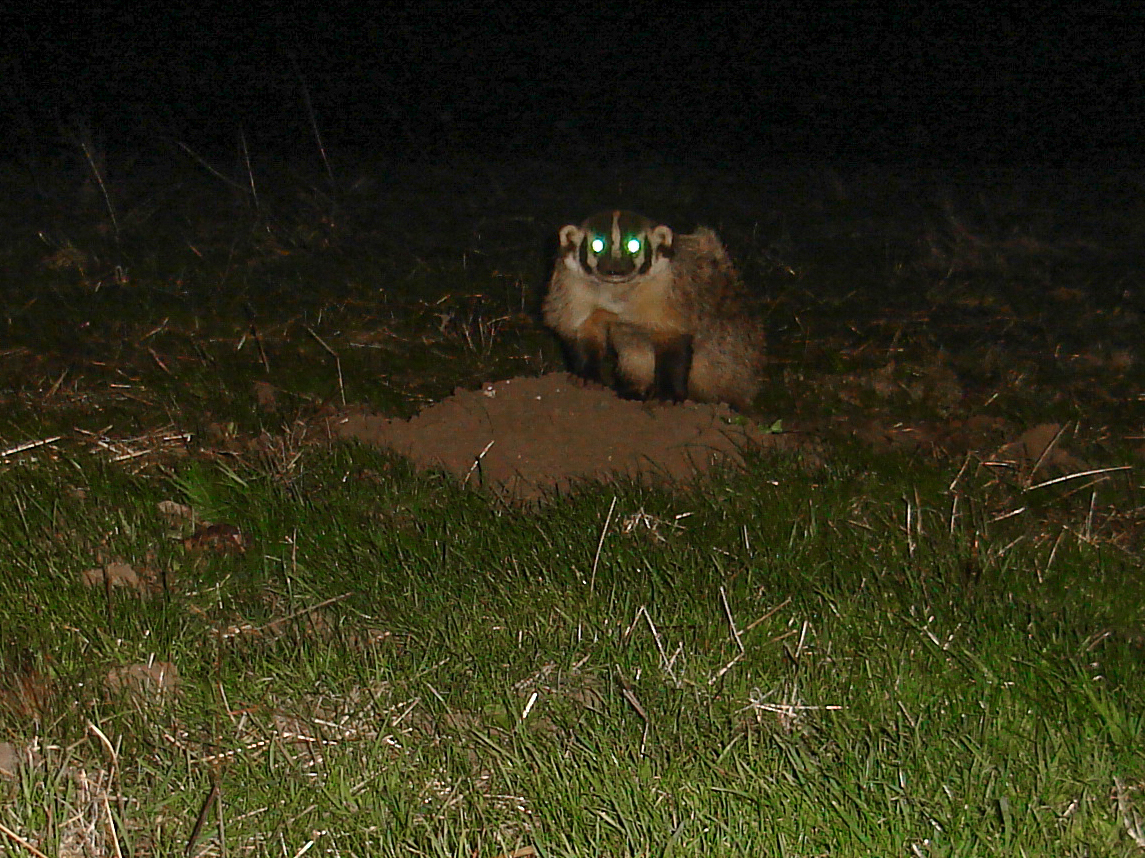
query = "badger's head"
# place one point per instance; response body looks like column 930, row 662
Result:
column 616, row 246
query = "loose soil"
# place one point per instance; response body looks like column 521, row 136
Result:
column 529, row 437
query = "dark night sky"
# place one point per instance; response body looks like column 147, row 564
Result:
column 948, row 84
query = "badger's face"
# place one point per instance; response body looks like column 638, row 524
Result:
column 616, row 246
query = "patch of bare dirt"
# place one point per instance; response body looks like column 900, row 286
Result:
column 528, row 437
column 146, row 681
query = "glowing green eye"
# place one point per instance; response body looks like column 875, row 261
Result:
column 633, row 245
column 597, row 245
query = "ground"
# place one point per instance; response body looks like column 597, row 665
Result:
column 894, row 607
column 527, row 437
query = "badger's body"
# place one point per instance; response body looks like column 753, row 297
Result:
column 656, row 313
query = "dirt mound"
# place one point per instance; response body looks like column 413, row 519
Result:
column 526, row 437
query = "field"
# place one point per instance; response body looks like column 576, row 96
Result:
column 908, row 620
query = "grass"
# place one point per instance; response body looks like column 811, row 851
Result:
column 884, row 697
column 897, row 651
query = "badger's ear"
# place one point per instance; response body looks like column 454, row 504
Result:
column 662, row 240
column 571, row 237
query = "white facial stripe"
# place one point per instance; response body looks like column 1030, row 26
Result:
column 616, row 263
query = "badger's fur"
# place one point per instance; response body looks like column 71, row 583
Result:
column 656, row 313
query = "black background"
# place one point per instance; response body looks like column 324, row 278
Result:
column 854, row 82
